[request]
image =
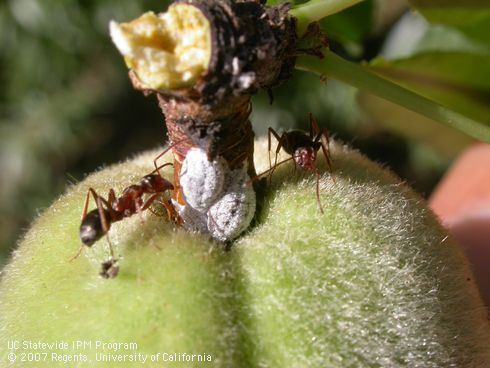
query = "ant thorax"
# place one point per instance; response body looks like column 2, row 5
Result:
column 125, row 206
column 305, row 157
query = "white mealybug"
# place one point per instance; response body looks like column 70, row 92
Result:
column 202, row 180
column 193, row 219
column 233, row 212
column 219, row 202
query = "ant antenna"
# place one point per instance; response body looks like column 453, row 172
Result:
column 157, row 169
column 268, row 170
column 79, row 252
column 165, row 151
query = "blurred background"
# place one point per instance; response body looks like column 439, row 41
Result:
column 67, row 107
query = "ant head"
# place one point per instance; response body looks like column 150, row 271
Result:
column 155, row 183
column 305, row 157
column 91, row 228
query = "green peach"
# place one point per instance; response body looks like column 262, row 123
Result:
column 372, row 282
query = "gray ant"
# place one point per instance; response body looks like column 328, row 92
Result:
column 303, row 149
column 96, row 223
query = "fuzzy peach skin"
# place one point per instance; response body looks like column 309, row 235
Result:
column 462, row 203
column 373, row 282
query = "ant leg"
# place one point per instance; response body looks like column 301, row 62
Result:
column 104, row 222
column 96, row 197
column 325, row 142
column 269, row 140
column 109, row 268
column 280, row 140
column 314, row 130
column 150, row 200
column 168, row 207
column 323, row 136
column 172, row 213
column 85, row 205
column 278, row 149
column 153, row 212
column 146, row 206
column 164, row 204
column 103, row 219
column 272, row 132
column 111, row 198
column 100, row 202
column 295, row 164
column 87, row 197
column 320, row 135
column 84, row 213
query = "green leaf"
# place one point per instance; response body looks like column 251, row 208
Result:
column 443, row 65
column 460, row 81
column 335, row 67
column 315, row 10
column 470, row 16
column 351, row 25
column 395, row 118
column 444, row 38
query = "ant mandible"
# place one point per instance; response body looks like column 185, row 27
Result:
column 97, row 222
column 303, row 149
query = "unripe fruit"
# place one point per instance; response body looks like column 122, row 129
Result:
column 372, row 282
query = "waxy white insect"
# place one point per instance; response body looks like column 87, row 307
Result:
column 219, row 201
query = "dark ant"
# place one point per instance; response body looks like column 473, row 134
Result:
column 96, row 223
column 303, row 149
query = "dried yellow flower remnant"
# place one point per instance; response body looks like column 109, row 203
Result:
column 166, row 51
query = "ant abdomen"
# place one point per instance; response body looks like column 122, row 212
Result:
column 91, row 228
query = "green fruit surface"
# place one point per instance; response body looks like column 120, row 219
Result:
column 372, row 282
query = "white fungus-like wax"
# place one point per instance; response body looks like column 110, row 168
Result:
column 232, row 213
column 219, row 201
column 202, row 180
